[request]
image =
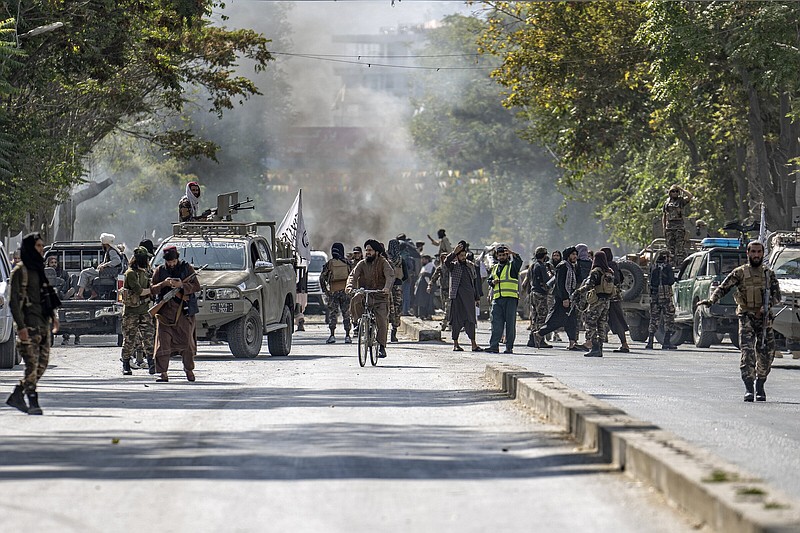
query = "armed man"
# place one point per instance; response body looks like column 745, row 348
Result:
column 672, row 221
column 757, row 290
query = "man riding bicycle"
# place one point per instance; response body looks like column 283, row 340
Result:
column 372, row 273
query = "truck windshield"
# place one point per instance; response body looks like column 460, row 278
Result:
column 786, row 263
column 723, row 264
column 316, row 264
column 218, row 255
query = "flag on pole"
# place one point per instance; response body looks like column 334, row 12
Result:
column 762, row 233
column 292, row 230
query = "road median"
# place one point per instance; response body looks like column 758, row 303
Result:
column 419, row 330
column 712, row 491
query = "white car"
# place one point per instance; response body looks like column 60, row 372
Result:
column 315, row 297
column 8, row 348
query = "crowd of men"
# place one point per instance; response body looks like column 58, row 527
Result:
column 568, row 290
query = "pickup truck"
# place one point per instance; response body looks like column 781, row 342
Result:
column 248, row 288
column 9, row 356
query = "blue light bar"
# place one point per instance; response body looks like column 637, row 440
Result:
column 719, row 242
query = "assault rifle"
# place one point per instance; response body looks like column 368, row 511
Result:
column 239, row 206
column 766, row 297
column 172, row 293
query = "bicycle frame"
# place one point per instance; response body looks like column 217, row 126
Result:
column 367, row 329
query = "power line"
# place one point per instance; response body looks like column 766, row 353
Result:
column 369, row 64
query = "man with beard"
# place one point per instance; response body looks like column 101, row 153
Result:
column 189, row 205
column 109, row 268
column 504, row 280
column 539, row 277
column 175, row 328
column 443, row 243
column 672, row 220
column 757, row 342
column 616, row 316
column 333, row 281
column 33, row 306
column 463, row 295
column 373, row 273
column 137, row 325
column 562, row 314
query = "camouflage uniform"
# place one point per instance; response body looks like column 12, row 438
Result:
column 749, row 282
column 674, row 230
column 396, row 306
column 27, row 310
column 35, row 352
column 443, row 277
column 597, row 295
column 339, row 301
column 138, row 329
column 662, row 305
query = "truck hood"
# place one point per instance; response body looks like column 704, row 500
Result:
column 790, row 286
column 223, row 278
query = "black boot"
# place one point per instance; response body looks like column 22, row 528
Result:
column 301, row 324
column 126, row 367
column 596, row 350
column 394, row 335
column 649, row 345
column 667, row 345
column 532, row 341
column 17, row 399
column 33, row 400
column 748, row 387
column 151, row 366
column 761, row 396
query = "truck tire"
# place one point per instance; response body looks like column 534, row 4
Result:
column 279, row 342
column 8, row 353
column 245, row 335
column 632, row 280
column 702, row 338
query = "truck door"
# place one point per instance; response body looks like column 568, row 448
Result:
column 272, row 286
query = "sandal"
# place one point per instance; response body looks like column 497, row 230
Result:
column 163, row 379
column 622, row 349
column 477, row 349
column 458, row 349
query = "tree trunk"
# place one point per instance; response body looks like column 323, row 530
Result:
column 66, row 223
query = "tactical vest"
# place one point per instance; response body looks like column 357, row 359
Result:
column 674, row 210
column 505, row 286
column 749, row 295
column 606, row 286
column 338, row 276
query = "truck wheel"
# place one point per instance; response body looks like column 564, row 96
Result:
column 702, row 338
column 245, row 336
column 638, row 333
column 632, row 280
column 8, row 353
column 280, row 342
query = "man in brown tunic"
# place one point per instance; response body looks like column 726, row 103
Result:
column 372, row 273
column 175, row 327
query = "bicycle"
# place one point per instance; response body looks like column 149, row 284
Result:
column 367, row 330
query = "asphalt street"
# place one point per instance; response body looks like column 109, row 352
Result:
column 309, row 442
column 695, row 393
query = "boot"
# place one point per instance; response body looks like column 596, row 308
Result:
column 541, row 341
column 394, row 335
column 596, row 350
column 301, row 324
column 347, row 339
column 748, row 387
column 33, row 400
column 331, row 339
column 649, row 345
column 667, row 344
column 126, row 367
column 151, row 366
column 532, row 341
column 761, row 396
column 17, row 399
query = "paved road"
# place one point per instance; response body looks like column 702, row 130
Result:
column 305, row 443
column 695, row 393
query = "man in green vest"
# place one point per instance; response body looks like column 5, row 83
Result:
column 757, row 290
column 504, row 281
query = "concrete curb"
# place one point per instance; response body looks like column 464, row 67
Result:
column 711, row 490
column 418, row 330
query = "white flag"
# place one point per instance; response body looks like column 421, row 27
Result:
column 762, row 233
column 293, row 229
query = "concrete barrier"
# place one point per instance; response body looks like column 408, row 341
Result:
column 712, row 491
column 419, row 330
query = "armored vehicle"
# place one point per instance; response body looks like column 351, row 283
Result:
column 248, row 289
column 784, row 260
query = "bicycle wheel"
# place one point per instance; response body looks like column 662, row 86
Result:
column 363, row 341
column 373, row 345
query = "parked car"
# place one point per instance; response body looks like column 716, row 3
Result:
column 316, row 299
column 9, row 356
column 698, row 276
column 784, row 259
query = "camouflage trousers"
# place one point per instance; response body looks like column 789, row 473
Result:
column 676, row 244
column 339, row 302
column 596, row 319
column 539, row 310
column 137, row 331
column 35, row 353
column 396, row 306
column 445, row 292
column 662, row 306
column 756, row 361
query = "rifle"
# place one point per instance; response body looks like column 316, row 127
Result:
column 153, row 311
column 239, row 206
column 766, row 298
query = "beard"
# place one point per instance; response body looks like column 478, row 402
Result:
column 756, row 262
column 370, row 258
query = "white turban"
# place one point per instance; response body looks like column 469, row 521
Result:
column 107, row 238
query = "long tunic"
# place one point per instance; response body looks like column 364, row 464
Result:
column 175, row 336
column 462, row 305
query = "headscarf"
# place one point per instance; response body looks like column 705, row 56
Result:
column 31, row 257
column 194, row 201
column 141, row 257
column 583, row 252
column 567, row 252
column 600, row 262
column 393, row 250
column 337, row 250
column 609, row 254
column 148, row 244
column 540, row 253
column 571, row 282
column 107, row 238
column 372, row 243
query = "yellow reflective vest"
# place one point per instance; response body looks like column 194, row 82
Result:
column 505, row 286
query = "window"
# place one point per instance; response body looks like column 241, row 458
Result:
column 217, row 255
column 698, row 267
column 263, row 251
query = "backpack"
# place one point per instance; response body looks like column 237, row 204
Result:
column 338, row 274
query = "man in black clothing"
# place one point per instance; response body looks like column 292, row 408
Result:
column 562, row 314
column 539, row 276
